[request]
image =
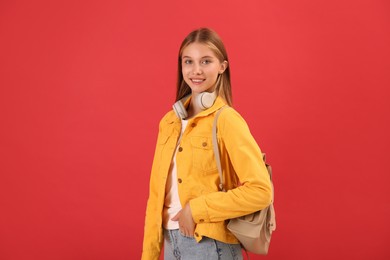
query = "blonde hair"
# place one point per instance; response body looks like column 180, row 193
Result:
column 213, row 41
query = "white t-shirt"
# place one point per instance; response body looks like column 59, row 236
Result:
column 172, row 203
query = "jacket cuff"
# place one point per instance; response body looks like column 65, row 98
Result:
column 150, row 255
column 199, row 210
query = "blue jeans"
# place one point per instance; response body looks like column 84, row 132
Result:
column 179, row 247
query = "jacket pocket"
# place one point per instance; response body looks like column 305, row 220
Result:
column 203, row 154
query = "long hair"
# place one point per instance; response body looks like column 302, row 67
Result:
column 213, row 41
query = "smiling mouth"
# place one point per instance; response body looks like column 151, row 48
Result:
column 197, row 81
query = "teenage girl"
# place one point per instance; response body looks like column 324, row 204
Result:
column 186, row 212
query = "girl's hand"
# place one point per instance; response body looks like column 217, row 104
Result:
column 186, row 222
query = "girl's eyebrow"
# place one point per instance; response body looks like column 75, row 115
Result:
column 204, row 57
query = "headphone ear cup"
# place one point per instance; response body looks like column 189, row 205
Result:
column 180, row 110
column 206, row 100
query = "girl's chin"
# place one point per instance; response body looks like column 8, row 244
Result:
column 199, row 89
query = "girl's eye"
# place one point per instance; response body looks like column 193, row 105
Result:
column 187, row 62
column 206, row 61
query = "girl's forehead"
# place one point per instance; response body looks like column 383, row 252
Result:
column 197, row 49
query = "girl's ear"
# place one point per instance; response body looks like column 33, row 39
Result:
column 224, row 66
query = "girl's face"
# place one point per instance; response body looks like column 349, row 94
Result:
column 200, row 67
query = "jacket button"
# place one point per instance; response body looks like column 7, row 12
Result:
column 193, row 125
column 196, row 234
column 201, row 220
column 180, row 149
column 179, row 180
column 204, row 144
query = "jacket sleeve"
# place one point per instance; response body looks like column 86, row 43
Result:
column 245, row 156
column 152, row 242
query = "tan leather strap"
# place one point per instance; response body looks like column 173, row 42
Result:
column 216, row 149
column 218, row 159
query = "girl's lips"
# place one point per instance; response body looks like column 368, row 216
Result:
column 197, row 81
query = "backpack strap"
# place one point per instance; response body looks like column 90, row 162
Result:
column 216, row 149
column 218, row 159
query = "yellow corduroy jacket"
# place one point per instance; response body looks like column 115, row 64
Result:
column 246, row 178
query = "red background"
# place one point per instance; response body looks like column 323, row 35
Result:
column 85, row 83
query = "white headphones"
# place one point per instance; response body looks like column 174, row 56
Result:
column 204, row 100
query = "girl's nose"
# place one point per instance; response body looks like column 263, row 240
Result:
column 196, row 69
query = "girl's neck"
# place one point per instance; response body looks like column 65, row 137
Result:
column 193, row 108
